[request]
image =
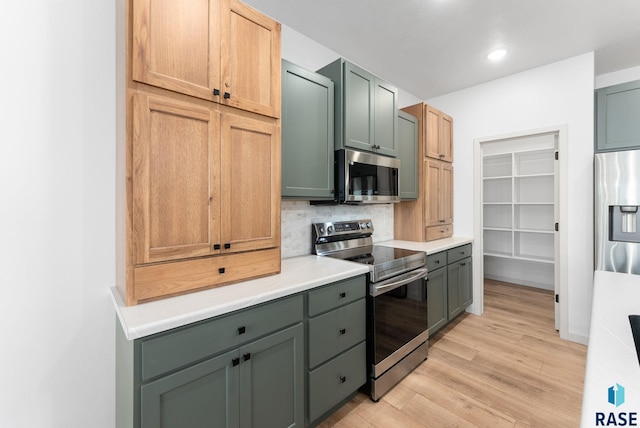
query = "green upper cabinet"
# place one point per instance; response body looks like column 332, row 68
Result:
column 408, row 155
column 307, row 134
column 365, row 109
column 618, row 117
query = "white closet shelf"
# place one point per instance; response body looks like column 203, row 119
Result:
column 520, row 257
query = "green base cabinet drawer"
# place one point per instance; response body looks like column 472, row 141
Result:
column 332, row 382
column 173, row 349
column 336, row 294
column 335, row 331
column 437, row 260
column 458, row 253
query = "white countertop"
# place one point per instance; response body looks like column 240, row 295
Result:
column 611, row 354
column 430, row 247
column 297, row 274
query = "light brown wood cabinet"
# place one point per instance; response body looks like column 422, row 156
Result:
column 217, row 50
column 203, row 180
column 200, row 204
column 438, row 134
column 438, row 199
column 429, row 217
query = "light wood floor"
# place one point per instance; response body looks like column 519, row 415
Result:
column 506, row 368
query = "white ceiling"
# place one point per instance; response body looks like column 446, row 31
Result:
column 433, row 47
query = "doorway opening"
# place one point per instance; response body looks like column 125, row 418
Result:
column 518, row 213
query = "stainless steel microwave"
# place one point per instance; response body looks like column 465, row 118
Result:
column 366, row 178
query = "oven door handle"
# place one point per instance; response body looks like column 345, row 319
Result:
column 393, row 283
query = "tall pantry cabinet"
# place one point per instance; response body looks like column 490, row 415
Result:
column 430, row 216
column 200, row 153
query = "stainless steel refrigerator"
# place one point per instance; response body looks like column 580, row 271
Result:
column 617, row 211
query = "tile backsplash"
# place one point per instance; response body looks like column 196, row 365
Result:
column 297, row 217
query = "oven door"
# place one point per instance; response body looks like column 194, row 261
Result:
column 367, row 177
column 398, row 321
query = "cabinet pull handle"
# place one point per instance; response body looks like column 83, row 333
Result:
column 216, row 246
column 343, row 379
column 247, row 357
column 221, row 270
column 242, row 330
column 227, row 95
column 437, row 262
column 216, row 92
column 462, row 264
column 343, row 295
column 343, row 331
column 227, row 246
column 235, row 361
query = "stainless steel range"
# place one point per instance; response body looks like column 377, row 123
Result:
column 397, row 331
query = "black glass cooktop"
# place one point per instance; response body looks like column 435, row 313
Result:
column 379, row 254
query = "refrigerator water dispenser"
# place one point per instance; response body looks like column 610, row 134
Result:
column 623, row 223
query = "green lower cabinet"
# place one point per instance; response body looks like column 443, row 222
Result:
column 336, row 351
column 437, row 299
column 257, row 385
column 449, row 285
column 272, row 380
column 206, row 394
column 244, row 369
column 283, row 364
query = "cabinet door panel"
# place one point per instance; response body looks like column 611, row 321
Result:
column 175, row 189
column 307, row 134
column 359, row 110
column 466, row 282
column 176, row 45
column 446, row 137
column 408, row 155
column 436, row 299
column 252, row 64
column 453, row 291
column 271, row 379
column 251, row 179
column 432, row 133
column 617, row 112
column 385, row 118
column 203, row 395
column 446, row 193
column 432, row 187
column 460, row 286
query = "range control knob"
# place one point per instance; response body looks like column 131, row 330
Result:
column 369, row 225
column 329, row 230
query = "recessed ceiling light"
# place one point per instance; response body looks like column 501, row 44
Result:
column 497, row 54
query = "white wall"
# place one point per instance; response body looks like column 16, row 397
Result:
column 57, row 214
column 556, row 94
column 616, row 77
column 311, row 55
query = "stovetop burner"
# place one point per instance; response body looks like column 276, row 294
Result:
column 352, row 241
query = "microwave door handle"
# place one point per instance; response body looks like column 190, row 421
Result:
column 393, row 283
